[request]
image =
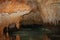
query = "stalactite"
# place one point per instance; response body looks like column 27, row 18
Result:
column 48, row 11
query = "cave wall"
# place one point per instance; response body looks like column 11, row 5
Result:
column 34, row 16
column 42, row 11
column 47, row 11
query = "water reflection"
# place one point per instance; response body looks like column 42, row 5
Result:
column 25, row 33
column 28, row 32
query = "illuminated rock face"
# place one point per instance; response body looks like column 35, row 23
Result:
column 13, row 6
column 11, row 12
column 48, row 13
column 49, row 10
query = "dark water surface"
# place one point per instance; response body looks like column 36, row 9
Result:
column 32, row 32
column 29, row 32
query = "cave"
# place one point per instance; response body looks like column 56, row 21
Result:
column 29, row 19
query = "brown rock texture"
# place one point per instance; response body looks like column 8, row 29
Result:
column 43, row 11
